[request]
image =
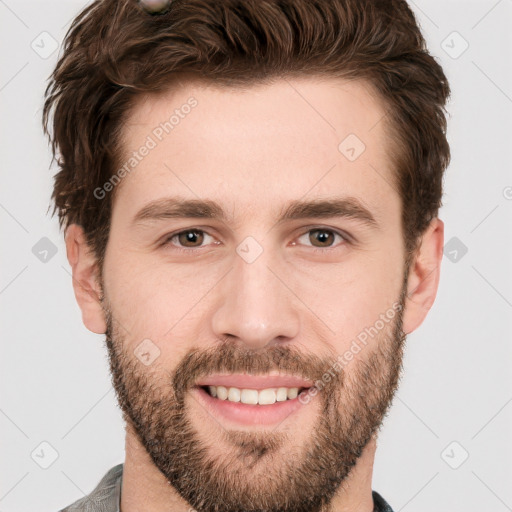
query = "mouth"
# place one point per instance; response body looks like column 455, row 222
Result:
column 252, row 400
column 248, row 396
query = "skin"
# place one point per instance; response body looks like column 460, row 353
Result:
column 253, row 151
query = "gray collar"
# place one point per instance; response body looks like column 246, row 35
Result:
column 117, row 493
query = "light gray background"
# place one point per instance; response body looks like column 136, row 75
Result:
column 456, row 386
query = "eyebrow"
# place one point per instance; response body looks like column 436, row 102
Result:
column 177, row 207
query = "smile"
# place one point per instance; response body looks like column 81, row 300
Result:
column 267, row 396
column 251, row 399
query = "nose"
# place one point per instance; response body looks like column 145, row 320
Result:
column 255, row 305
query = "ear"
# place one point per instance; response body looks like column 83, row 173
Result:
column 423, row 278
column 86, row 281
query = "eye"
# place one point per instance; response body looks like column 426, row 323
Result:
column 191, row 238
column 321, row 239
column 324, row 237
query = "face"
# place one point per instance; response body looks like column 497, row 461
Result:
column 283, row 272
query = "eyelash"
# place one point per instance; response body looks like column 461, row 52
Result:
column 345, row 239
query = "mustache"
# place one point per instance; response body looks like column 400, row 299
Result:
column 227, row 357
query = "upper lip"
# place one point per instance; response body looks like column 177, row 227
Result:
column 244, row 381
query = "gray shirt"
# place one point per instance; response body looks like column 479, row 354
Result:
column 106, row 496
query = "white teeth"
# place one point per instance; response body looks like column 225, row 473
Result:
column 267, row 396
column 282, row 394
column 222, row 392
column 249, row 396
column 292, row 393
column 234, row 395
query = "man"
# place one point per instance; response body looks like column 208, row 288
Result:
column 250, row 193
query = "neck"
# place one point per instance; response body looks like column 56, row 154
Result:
column 355, row 493
column 145, row 487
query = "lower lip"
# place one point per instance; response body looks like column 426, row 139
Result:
column 247, row 414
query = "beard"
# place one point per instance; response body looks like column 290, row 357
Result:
column 258, row 471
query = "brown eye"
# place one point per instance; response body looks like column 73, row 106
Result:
column 190, row 238
column 324, row 237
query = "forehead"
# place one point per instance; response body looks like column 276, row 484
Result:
column 322, row 105
column 257, row 145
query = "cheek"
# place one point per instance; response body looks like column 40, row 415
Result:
column 151, row 308
column 156, row 299
column 354, row 297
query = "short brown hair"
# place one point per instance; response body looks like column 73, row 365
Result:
column 114, row 51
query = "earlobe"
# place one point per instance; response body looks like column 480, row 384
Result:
column 424, row 275
column 86, row 283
